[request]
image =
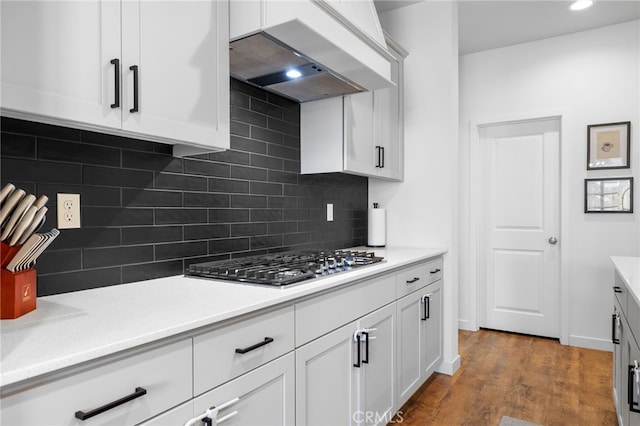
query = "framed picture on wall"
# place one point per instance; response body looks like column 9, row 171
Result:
column 608, row 195
column 609, row 146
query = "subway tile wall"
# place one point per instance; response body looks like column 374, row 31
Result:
column 146, row 214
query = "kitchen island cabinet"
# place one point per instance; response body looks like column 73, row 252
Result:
column 208, row 342
column 626, row 337
column 112, row 66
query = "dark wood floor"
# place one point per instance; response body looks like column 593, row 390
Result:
column 528, row 378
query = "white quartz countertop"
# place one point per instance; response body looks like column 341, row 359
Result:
column 72, row 328
column 629, row 270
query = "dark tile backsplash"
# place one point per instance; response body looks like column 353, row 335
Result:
column 146, row 214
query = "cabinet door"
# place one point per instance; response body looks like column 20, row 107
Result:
column 360, row 155
column 181, row 51
column 56, row 60
column 387, row 127
column 632, row 391
column 409, row 335
column 431, row 339
column 617, row 331
column 377, row 375
column 265, row 396
column 325, row 379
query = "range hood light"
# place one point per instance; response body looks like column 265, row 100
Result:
column 294, row 73
column 580, row 4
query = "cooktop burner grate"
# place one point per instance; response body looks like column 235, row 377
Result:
column 283, row 268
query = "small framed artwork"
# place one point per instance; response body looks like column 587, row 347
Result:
column 608, row 195
column 609, row 146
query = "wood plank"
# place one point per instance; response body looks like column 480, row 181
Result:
column 525, row 377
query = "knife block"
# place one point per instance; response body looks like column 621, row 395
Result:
column 17, row 293
column 18, row 290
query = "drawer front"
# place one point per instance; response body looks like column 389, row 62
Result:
column 216, row 357
column 164, row 373
column 415, row 277
column 322, row 314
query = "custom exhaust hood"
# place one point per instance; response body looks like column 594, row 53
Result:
column 266, row 62
column 305, row 50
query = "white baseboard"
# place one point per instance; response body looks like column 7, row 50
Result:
column 449, row 367
column 591, row 343
column 467, row 325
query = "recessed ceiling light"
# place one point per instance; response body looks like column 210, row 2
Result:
column 580, row 4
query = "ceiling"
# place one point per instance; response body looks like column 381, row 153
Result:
column 484, row 25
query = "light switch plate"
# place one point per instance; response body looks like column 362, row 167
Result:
column 329, row 212
column 68, row 211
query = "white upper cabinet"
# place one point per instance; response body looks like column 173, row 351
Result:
column 156, row 70
column 56, row 60
column 361, row 134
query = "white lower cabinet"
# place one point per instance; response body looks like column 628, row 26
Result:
column 264, row 396
column 124, row 391
column 431, row 339
column 347, row 377
column 625, row 328
column 419, row 338
column 351, row 356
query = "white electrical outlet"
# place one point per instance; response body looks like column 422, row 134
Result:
column 329, row 212
column 68, row 211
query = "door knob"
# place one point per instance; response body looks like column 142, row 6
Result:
column 553, row 240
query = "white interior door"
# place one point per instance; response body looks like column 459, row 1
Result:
column 520, row 225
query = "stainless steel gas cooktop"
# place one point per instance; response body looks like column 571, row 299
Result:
column 283, row 268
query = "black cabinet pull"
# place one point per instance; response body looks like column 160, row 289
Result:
column 116, row 92
column 382, row 164
column 134, row 68
column 426, row 306
column 435, row 271
column 366, row 347
column 633, row 405
column 357, row 364
column 613, row 330
column 137, row 394
column 379, row 148
column 413, row 280
column 266, row 341
column 617, row 289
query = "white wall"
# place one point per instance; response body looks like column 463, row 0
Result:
column 422, row 211
column 590, row 77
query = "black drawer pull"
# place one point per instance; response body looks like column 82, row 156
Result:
column 426, row 304
column 413, row 280
column 137, row 394
column 614, row 340
column 116, row 92
column 266, row 341
column 633, row 405
column 436, row 271
column 617, row 289
column 357, row 364
column 366, row 347
column 134, row 68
